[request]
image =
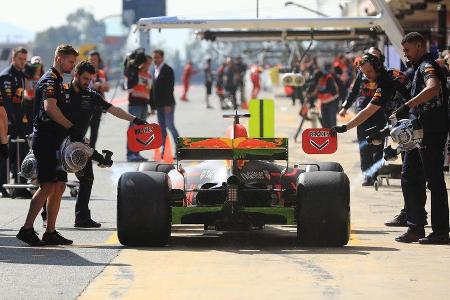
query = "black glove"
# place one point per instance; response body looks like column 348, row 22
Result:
column 338, row 129
column 138, row 121
column 377, row 137
column 390, row 153
column 402, row 112
column 4, row 151
column 103, row 161
column 76, row 134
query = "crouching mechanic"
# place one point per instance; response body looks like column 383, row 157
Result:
column 84, row 102
column 50, row 128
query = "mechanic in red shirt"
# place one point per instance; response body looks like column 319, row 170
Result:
column 188, row 72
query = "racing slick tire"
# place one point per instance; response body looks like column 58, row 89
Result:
column 323, row 209
column 155, row 167
column 325, row 166
column 143, row 211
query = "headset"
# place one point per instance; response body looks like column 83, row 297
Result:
column 376, row 62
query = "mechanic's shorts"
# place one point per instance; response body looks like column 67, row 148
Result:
column 45, row 150
column 208, row 86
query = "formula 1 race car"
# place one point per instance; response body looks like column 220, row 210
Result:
column 234, row 185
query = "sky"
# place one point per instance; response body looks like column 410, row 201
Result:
column 39, row 15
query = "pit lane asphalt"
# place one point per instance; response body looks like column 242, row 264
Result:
column 205, row 265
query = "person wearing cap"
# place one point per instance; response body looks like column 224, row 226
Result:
column 362, row 91
column 37, row 70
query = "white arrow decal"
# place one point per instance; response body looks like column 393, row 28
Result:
column 319, row 147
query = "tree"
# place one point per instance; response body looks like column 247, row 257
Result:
column 81, row 28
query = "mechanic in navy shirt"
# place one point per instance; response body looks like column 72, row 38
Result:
column 392, row 91
column 84, row 102
column 51, row 126
column 361, row 93
column 429, row 103
column 12, row 84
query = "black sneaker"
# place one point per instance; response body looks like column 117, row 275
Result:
column 368, row 181
column 54, row 238
column 398, row 221
column 29, row 236
column 435, row 239
column 86, row 223
column 410, row 236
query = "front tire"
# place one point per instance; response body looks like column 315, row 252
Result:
column 323, row 209
column 143, row 211
column 155, row 167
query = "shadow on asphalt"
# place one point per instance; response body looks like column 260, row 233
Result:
column 13, row 251
column 269, row 241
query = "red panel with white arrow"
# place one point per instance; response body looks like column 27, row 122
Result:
column 318, row 141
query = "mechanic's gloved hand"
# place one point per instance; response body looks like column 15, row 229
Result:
column 390, row 153
column 76, row 134
column 107, row 159
column 338, row 129
column 103, row 161
column 402, row 112
column 377, row 138
column 138, row 121
column 4, row 151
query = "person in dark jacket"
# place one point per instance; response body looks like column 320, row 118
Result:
column 12, row 87
column 162, row 99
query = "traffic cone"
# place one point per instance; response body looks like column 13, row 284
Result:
column 157, row 154
column 168, row 156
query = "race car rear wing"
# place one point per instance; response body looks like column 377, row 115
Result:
column 206, row 148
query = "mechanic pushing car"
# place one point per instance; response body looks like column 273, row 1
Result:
column 51, row 127
column 429, row 103
column 84, row 102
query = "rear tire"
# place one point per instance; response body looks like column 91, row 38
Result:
column 325, row 166
column 143, row 211
column 155, row 167
column 323, row 209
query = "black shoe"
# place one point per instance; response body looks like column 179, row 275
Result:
column 435, row 239
column 368, row 181
column 410, row 236
column 86, row 223
column 54, row 238
column 398, row 221
column 29, row 236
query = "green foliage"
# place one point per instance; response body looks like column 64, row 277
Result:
column 81, row 28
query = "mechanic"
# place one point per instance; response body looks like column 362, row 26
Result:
column 392, row 90
column 37, row 70
column 139, row 99
column 99, row 84
column 208, row 74
column 328, row 94
column 83, row 104
column 240, row 70
column 361, row 93
column 12, row 85
column 429, row 103
column 4, row 150
column 51, row 127
column 188, row 72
